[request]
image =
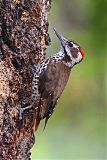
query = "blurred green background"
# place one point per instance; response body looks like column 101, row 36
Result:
column 77, row 129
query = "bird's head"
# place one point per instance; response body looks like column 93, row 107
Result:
column 71, row 49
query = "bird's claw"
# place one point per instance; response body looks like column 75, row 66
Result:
column 21, row 112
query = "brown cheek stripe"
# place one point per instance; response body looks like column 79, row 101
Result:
column 74, row 52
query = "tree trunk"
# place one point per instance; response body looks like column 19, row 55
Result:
column 23, row 37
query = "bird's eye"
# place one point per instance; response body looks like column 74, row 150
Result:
column 70, row 44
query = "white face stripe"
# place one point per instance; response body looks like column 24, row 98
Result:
column 78, row 59
column 74, row 45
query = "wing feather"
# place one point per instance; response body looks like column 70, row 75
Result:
column 51, row 84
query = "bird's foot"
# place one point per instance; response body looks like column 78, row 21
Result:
column 21, row 112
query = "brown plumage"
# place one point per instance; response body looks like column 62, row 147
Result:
column 51, row 84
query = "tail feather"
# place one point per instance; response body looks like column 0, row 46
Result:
column 46, row 120
column 37, row 122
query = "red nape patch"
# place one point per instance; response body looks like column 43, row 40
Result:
column 82, row 53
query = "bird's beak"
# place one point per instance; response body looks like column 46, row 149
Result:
column 61, row 38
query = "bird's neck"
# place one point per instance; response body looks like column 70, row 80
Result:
column 59, row 56
column 62, row 57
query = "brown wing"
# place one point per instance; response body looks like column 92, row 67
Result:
column 51, row 84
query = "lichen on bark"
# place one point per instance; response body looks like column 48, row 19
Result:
column 23, row 39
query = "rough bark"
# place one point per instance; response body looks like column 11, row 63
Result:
column 23, row 39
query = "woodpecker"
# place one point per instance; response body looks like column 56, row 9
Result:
column 51, row 76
